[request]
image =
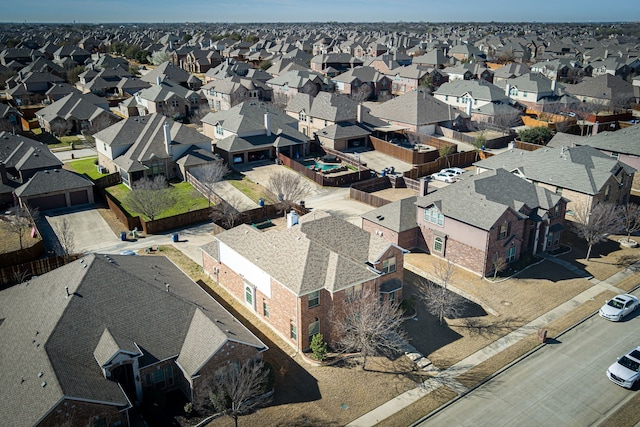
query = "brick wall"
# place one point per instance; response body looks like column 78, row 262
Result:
column 75, row 413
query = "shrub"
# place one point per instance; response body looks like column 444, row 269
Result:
column 318, row 347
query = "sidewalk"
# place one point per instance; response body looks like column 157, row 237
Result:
column 448, row 376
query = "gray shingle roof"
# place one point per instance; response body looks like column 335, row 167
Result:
column 478, row 89
column 491, row 194
column 623, row 141
column 415, row 108
column 19, row 152
column 320, row 252
column 49, row 181
column 397, row 216
column 583, row 169
column 45, row 331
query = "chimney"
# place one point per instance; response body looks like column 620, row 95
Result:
column 507, row 89
column 606, row 53
column 167, row 137
column 3, row 174
column 424, row 186
column 468, row 109
column 553, row 86
column 159, row 80
column 170, row 44
column 359, row 113
column 267, row 123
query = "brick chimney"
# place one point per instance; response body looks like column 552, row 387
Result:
column 424, row 186
column 267, row 123
column 359, row 113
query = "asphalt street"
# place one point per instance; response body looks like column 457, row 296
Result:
column 562, row 384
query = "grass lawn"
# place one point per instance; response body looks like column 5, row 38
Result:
column 187, row 199
column 251, row 189
column 65, row 141
column 86, row 166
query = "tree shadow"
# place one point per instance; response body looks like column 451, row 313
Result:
column 293, row 384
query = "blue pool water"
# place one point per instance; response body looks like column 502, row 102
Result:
column 319, row 165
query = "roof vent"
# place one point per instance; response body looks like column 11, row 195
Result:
column 44, row 384
column 40, row 374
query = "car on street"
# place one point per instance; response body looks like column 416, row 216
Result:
column 626, row 371
column 618, row 307
column 444, row 177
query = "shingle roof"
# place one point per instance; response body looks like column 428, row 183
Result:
column 22, row 153
column 415, row 108
column 623, row 141
column 330, row 253
column 397, row 216
column 478, row 89
column 45, row 331
column 583, row 169
column 51, row 181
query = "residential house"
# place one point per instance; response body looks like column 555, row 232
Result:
column 225, row 94
column 20, row 159
column 435, row 58
column 287, row 85
column 621, row 144
column 9, row 117
column 150, row 145
column 362, row 83
column 471, row 96
column 561, row 69
column 55, row 189
column 325, row 109
column 604, row 90
column 417, row 112
column 86, row 342
column 339, row 62
column 168, row 71
column 298, row 280
column 529, row 89
column 466, row 52
column 394, row 222
column 249, row 132
column 510, row 71
column 76, row 113
column 406, row 79
column 169, row 98
column 517, row 218
column 583, row 175
column 30, row 88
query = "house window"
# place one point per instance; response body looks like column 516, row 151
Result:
column 174, row 102
column 310, row 119
column 511, row 254
column 607, row 192
column 265, row 308
column 219, row 130
column 446, row 97
column 159, row 379
column 504, row 230
column 354, row 292
column 392, row 297
column 314, row 299
column 559, row 191
column 302, row 116
column 389, row 265
column 438, row 244
column 169, row 372
column 615, row 155
column 248, row 294
column 294, row 331
column 314, row 328
column 434, row 216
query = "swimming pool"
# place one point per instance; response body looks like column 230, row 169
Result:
column 320, row 165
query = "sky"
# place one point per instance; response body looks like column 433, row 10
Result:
column 120, row 11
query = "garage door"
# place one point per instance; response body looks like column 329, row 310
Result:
column 79, row 197
column 48, row 202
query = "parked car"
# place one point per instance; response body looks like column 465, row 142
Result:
column 618, row 307
column 626, row 371
column 444, row 177
column 453, row 171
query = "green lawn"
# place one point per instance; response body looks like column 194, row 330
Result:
column 251, row 189
column 86, row 166
column 187, row 199
column 65, row 141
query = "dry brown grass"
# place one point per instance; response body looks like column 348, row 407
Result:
column 626, row 416
column 420, row 408
column 9, row 240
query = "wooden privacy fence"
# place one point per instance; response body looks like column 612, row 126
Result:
column 336, row 180
column 362, row 191
column 130, row 222
column 411, row 155
column 521, row 145
column 462, row 160
column 23, row 255
column 13, row 275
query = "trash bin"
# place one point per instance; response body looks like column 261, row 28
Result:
column 261, row 202
column 123, row 236
column 175, row 237
column 384, row 172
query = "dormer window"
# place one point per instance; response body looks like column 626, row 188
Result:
column 434, row 216
column 504, row 230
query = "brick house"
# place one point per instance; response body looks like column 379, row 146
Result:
column 583, row 175
column 84, row 343
column 298, row 280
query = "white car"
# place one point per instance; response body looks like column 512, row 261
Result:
column 453, row 171
column 626, row 371
column 444, row 177
column 618, row 307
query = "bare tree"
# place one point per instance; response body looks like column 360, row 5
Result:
column 370, row 327
column 289, row 187
column 499, row 263
column 594, row 226
column 362, row 93
column 60, row 127
column 630, row 219
column 439, row 300
column 151, row 196
column 198, row 114
column 209, row 175
column 66, row 242
column 239, row 388
column 158, row 57
column 226, row 213
column 21, row 219
column 279, row 100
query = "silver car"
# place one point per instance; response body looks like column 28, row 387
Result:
column 618, row 307
column 626, row 371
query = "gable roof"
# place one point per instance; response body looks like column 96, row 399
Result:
column 416, row 108
column 330, row 253
column 397, row 216
column 50, row 338
column 623, row 141
column 21, row 153
column 492, row 193
column 583, row 169
column 77, row 106
column 51, row 181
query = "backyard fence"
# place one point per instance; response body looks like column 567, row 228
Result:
column 462, row 160
column 13, row 275
column 361, row 191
